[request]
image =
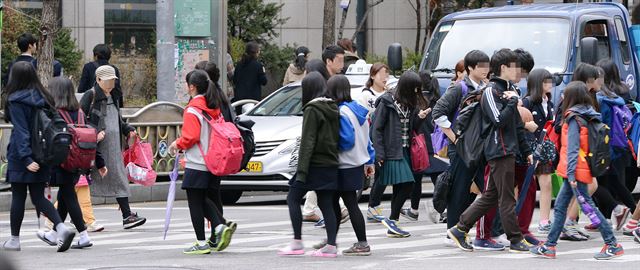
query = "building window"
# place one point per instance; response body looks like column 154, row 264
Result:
column 130, row 26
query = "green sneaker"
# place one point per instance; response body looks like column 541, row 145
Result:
column 197, row 249
column 223, row 237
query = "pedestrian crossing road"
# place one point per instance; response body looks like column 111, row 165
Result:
column 263, row 229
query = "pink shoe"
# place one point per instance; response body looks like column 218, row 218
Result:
column 324, row 252
column 290, row 251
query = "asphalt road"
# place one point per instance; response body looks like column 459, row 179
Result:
column 264, row 227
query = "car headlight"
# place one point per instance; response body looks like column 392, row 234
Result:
column 290, row 146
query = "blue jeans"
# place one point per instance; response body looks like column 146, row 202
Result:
column 560, row 214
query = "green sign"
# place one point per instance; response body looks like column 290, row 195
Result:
column 192, row 18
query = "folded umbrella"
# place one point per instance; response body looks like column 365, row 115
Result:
column 172, row 195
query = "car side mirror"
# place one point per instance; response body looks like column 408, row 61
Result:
column 394, row 57
column 247, row 107
column 589, row 50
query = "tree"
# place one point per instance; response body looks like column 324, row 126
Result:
column 417, row 8
column 329, row 23
column 253, row 20
column 364, row 18
column 48, row 29
column 16, row 22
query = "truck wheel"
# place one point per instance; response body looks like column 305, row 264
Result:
column 230, row 196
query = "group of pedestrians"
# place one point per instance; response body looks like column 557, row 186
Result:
column 24, row 98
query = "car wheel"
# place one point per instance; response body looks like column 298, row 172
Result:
column 230, row 196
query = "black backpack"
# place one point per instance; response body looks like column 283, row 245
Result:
column 599, row 156
column 441, row 191
column 469, row 130
column 248, row 141
column 50, row 140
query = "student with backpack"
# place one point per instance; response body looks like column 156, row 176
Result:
column 397, row 117
column 317, row 165
column 576, row 165
column 205, row 104
column 25, row 97
column 538, row 101
column 82, row 157
column 355, row 156
column 616, row 115
column 444, row 115
column 28, row 45
column 102, row 108
column 503, row 137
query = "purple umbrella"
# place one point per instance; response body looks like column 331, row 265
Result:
column 172, row 195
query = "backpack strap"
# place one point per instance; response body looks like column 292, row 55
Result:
column 65, row 115
column 81, row 117
column 368, row 90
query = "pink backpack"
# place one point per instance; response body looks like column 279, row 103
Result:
column 225, row 152
column 419, row 154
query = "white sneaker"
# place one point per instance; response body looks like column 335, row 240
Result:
column 94, row 227
column 502, row 240
column 432, row 214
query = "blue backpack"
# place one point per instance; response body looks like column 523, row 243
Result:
column 634, row 132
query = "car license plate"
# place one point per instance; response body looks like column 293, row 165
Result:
column 254, row 166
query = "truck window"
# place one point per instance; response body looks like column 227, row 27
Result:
column 598, row 30
column 546, row 39
column 622, row 38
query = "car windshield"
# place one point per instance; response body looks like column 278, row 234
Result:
column 286, row 101
column 547, row 39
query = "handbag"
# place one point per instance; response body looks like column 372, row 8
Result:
column 138, row 160
column 419, row 154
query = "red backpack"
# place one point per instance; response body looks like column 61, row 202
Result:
column 84, row 144
column 225, row 152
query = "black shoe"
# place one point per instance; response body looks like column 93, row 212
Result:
column 133, row 221
column 459, row 238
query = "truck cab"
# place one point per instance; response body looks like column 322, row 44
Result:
column 559, row 36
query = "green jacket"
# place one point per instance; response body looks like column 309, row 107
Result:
column 319, row 141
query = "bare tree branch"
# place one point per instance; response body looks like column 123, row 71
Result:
column 414, row 7
column 364, row 19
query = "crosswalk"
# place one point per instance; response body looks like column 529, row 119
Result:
column 264, row 236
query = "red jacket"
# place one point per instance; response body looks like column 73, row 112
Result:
column 191, row 123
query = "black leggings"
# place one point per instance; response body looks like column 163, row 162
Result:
column 377, row 191
column 294, row 200
column 68, row 203
column 325, row 202
column 199, row 208
column 416, row 193
column 18, row 198
column 350, row 199
column 331, row 220
column 401, row 192
column 612, row 186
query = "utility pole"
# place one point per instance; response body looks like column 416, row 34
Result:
column 165, row 46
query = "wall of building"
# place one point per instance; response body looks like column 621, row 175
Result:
column 86, row 20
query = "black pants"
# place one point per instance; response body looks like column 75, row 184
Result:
column 377, row 191
column 68, row 203
column 18, row 198
column 357, row 219
column 416, row 192
column 460, row 198
column 401, row 192
column 294, row 200
column 331, row 220
column 199, row 208
column 613, row 186
column 499, row 192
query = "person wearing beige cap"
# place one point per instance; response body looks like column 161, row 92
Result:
column 102, row 108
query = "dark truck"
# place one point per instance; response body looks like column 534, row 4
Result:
column 559, row 36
